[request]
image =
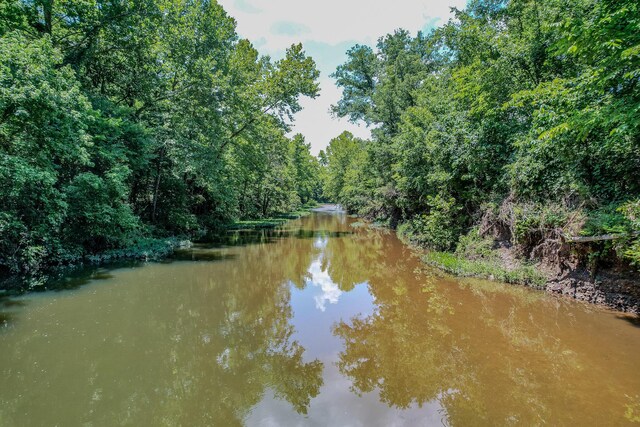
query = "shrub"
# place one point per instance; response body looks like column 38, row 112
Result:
column 437, row 230
column 631, row 246
column 472, row 245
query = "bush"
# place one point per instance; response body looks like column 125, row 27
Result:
column 99, row 216
column 631, row 246
column 607, row 220
column 532, row 222
column 437, row 230
column 522, row 274
column 473, row 245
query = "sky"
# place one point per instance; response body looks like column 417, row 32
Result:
column 327, row 29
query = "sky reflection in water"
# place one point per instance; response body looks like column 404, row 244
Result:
column 319, row 324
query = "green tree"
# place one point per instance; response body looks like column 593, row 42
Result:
column 511, row 102
column 139, row 118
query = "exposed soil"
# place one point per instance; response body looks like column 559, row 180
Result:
column 616, row 289
column 614, row 283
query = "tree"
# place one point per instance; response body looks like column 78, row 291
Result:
column 510, row 102
column 140, row 118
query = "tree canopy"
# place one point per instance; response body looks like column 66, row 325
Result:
column 136, row 118
column 510, row 104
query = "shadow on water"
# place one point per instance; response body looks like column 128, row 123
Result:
column 632, row 319
column 85, row 276
column 210, row 250
column 199, row 254
column 6, row 303
column 61, row 279
column 74, row 277
column 252, row 237
column 5, row 320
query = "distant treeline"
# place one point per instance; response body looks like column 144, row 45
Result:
column 522, row 115
column 129, row 119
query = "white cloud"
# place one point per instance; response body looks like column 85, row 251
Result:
column 330, row 26
column 316, row 123
column 334, row 21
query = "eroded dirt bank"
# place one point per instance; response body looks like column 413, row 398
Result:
column 616, row 288
column 573, row 269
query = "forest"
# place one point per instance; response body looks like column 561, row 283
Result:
column 126, row 122
column 517, row 122
column 174, row 252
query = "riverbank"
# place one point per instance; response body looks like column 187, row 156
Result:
column 616, row 287
column 556, row 266
column 140, row 250
column 526, row 275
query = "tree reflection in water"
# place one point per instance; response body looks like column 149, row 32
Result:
column 181, row 343
column 486, row 352
column 222, row 342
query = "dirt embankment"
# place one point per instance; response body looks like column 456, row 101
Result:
column 573, row 269
column 615, row 289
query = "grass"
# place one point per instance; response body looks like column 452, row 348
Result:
column 522, row 275
column 273, row 222
column 257, row 224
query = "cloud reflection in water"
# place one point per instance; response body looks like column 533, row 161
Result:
column 320, row 278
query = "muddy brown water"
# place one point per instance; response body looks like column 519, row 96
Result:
column 318, row 323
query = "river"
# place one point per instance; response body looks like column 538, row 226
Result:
column 317, row 323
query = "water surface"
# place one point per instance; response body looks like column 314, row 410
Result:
column 318, row 323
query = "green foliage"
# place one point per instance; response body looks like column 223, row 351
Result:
column 12, row 16
column 28, row 192
column 108, row 220
column 132, row 119
column 345, row 178
column 608, row 219
column 304, row 170
column 436, row 230
column 357, row 78
column 522, row 274
column 531, row 221
column 476, row 256
column 534, row 104
column 472, row 245
column 43, row 143
column 631, row 246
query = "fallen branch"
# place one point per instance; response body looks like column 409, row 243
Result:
column 586, row 239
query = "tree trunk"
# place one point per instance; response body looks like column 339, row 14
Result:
column 157, row 185
column 265, row 205
column 47, row 6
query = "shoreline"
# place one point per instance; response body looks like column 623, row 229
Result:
column 614, row 288
column 608, row 288
column 141, row 251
